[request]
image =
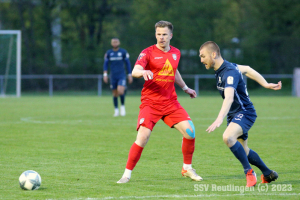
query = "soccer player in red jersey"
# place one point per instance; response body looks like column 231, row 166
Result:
column 158, row 65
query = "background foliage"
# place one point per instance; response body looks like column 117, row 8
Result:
column 262, row 34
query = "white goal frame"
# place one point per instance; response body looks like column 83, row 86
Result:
column 296, row 82
column 18, row 57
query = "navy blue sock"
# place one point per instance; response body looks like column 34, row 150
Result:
column 239, row 152
column 254, row 159
column 122, row 97
column 115, row 102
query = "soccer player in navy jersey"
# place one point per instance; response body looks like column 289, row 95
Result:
column 240, row 111
column 115, row 59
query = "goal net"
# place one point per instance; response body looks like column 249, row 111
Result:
column 10, row 63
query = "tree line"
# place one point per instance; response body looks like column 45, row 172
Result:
column 71, row 36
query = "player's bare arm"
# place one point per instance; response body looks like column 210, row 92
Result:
column 105, row 77
column 254, row 75
column 229, row 95
column 180, row 82
column 139, row 72
column 129, row 77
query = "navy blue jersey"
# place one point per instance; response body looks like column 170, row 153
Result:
column 228, row 75
column 115, row 60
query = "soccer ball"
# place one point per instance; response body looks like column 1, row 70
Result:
column 30, row 180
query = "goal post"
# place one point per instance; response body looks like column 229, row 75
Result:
column 296, row 82
column 10, row 63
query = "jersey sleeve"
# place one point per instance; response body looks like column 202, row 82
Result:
column 127, row 61
column 106, row 60
column 231, row 78
column 143, row 58
column 234, row 64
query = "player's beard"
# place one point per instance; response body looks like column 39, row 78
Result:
column 115, row 47
column 212, row 64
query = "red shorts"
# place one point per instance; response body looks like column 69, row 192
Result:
column 149, row 116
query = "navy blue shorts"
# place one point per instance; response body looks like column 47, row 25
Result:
column 245, row 119
column 114, row 82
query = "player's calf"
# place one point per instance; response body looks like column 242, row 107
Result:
column 190, row 132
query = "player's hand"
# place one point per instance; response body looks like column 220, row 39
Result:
column 148, row 75
column 273, row 86
column 191, row 92
column 214, row 125
column 129, row 79
column 105, row 79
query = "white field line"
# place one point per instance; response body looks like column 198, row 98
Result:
column 36, row 120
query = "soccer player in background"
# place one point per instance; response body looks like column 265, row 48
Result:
column 158, row 65
column 116, row 57
column 240, row 111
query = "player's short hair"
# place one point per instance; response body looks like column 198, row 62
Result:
column 114, row 38
column 211, row 47
column 162, row 24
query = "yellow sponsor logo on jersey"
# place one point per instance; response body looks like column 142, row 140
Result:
column 167, row 70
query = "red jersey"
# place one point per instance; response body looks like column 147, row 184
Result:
column 160, row 91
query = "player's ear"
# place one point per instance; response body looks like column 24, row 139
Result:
column 214, row 54
column 171, row 36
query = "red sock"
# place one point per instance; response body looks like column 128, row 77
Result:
column 134, row 156
column 188, row 147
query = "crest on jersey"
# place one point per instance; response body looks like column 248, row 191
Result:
column 119, row 54
column 230, row 80
column 174, row 56
column 167, row 69
column 141, row 56
column 142, row 120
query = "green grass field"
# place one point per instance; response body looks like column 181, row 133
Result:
column 80, row 150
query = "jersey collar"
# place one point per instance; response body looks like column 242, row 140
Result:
column 221, row 67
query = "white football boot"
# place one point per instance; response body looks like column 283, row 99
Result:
column 116, row 112
column 192, row 174
column 123, row 180
column 123, row 112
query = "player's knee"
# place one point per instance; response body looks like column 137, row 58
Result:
column 144, row 138
column 191, row 132
column 121, row 92
column 142, row 141
column 229, row 140
column 115, row 94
